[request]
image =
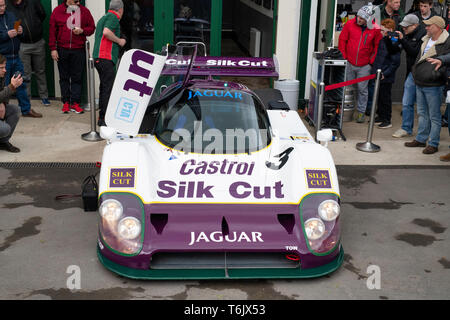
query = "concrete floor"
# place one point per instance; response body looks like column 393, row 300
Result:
column 393, row 218
column 57, row 138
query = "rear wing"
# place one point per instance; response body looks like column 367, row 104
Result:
column 222, row 66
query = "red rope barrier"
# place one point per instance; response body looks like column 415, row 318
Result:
column 349, row 83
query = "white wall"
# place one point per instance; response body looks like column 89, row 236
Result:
column 309, row 51
column 287, row 37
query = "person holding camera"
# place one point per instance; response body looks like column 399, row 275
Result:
column 411, row 41
column 388, row 61
column 32, row 47
column 9, row 48
column 9, row 113
column 429, row 85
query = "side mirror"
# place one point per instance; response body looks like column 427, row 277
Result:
column 107, row 133
column 325, row 135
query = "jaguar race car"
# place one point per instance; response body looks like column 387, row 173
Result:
column 211, row 181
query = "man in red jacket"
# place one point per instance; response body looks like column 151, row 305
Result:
column 359, row 44
column 70, row 24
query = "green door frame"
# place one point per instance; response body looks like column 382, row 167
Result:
column 216, row 28
column 163, row 18
column 303, row 41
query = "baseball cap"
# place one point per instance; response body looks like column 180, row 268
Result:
column 435, row 20
column 409, row 20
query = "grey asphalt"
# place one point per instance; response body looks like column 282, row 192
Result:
column 394, row 219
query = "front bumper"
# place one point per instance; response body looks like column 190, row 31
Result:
column 224, row 273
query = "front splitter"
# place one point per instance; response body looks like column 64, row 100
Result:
column 208, row 274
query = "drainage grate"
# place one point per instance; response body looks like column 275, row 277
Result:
column 48, row 165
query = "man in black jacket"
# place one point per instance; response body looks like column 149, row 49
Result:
column 411, row 41
column 32, row 49
column 430, row 84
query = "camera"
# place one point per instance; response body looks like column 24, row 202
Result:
column 392, row 34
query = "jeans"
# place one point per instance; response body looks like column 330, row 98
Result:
column 429, row 101
column 33, row 59
column 409, row 99
column 371, row 90
column 354, row 72
column 13, row 64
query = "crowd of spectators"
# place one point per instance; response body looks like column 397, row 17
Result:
column 374, row 40
column 22, row 54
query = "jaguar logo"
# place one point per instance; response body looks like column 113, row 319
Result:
column 218, row 237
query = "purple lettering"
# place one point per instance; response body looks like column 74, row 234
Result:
column 201, row 169
column 234, row 190
column 137, row 70
column 182, row 189
column 258, row 195
column 213, row 167
column 279, row 190
column 142, row 88
column 222, row 168
column 183, row 168
column 167, row 189
column 191, row 188
column 202, row 191
column 242, row 168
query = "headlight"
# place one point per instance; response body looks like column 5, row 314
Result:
column 329, row 210
column 129, row 228
column 111, row 210
column 314, row 228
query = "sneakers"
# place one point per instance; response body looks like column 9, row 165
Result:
column 445, row 158
column 45, row 102
column 32, row 114
column 9, row 147
column 76, row 108
column 360, row 117
column 430, row 150
column 415, row 144
column 378, row 120
column 66, row 108
column 385, row 125
column 400, row 133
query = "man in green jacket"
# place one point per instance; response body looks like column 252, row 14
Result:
column 106, row 52
column 391, row 9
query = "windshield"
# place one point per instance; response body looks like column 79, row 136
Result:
column 213, row 122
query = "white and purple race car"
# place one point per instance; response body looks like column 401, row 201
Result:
column 211, row 181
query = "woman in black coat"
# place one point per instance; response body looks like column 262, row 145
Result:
column 388, row 60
